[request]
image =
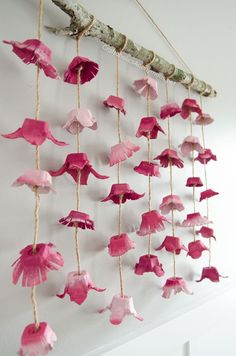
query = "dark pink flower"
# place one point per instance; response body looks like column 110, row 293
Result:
column 149, row 263
column 122, row 151
column 36, row 52
column 206, row 232
column 35, row 265
column 205, row 156
column 190, row 144
column 88, row 70
column 211, row 273
column 120, row 244
column 115, row 102
column 77, row 219
column 194, row 182
column 122, row 191
column 120, row 307
column 175, row 284
column 149, row 127
column 78, row 286
column 146, row 87
column 80, row 119
column 35, row 132
column 189, row 106
column 35, row 178
column 171, row 202
column 196, row 248
column 36, row 342
column 152, row 222
column 148, row 169
column 172, row 244
column 195, row 219
column 207, row 194
column 168, row 157
column 169, row 110
column 203, row 119
column 77, row 162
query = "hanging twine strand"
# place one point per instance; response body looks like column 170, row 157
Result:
column 149, row 160
column 35, row 308
column 119, row 258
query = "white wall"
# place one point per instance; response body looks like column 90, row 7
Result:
column 204, row 34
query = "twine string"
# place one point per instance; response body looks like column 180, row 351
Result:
column 35, row 308
column 149, row 160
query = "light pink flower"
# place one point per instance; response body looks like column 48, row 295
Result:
column 78, row 286
column 88, row 70
column 77, row 219
column 211, row 273
column 152, row 222
column 119, row 245
column 203, row 119
column 115, row 102
column 149, row 263
column 146, row 87
column 122, row 151
column 120, row 307
column 36, row 52
column 35, row 132
column 34, row 266
column 207, row 194
column 195, row 249
column 205, row 156
column 195, row 219
column 175, row 284
column 190, row 144
column 37, row 342
column 169, row 110
column 148, row 169
column 206, row 232
column 122, row 192
column 172, row 244
column 149, row 127
column 35, row 178
column 189, row 106
column 168, row 157
column 194, row 182
column 80, row 119
column 171, row 202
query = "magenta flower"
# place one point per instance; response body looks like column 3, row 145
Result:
column 175, row 284
column 120, row 307
column 207, row 194
column 168, row 157
column 77, row 162
column 203, row 119
column 35, row 52
column 149, row 263
column 77, row 219
column 35, row 178
column 35, row 132
column 205, row 156
column 171, row 202
column 194, row 182
column 152, row 222
column 149, row 127
column 122, row 151
column 122, row 192
column 206, row 232
column 146, row 87
column 189, row 106
column 169, row 110
column 172, row 244
column 78, row 286
column 211, row 273
column 196, row 248
column 115, row 102
column 34, row 266
column 148, row 169
column 119, row 245
column 190, row 144
column 80, row 119
column 88, row 70
column 195, row 219
column 37, row 342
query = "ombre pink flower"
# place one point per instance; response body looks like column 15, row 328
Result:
column 77, row 219
column 121, row 192
column 205, row 156
column 149, row 127
column 190, row 144
column 35, row 132
column 210, row 273
column 115, row 102
column 78, row 286
column 206, row 232
column 172, row 244
column 120, row 307
column 37, row 342
column 171, row 202
column 203, row 119
column 207, row 194
column 195, row 219
column 34, row 266
column 175, row 284
column 196, row 248
column 168, row 157
column 77, row 162
column 169, row 110
column 148, row 169
column 122, row 151
column 88, row 70
column 35, row 179
column 80, row 119
column 194, row 182
column 151, row 222
column 36, row 52
column 149, row 263
column 189, row 106
column 119, row 245
column 146, row 87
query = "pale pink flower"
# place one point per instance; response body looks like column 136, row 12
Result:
column 119, row 245
column 172, row 244
column 175, row 284
column 149, row 263
column 146, row 87
column 205, row 156
column 203, row 119
column 207, row 194
column 206, row 232
column 122, row 151
column 151, row 222
column 148, row 169
column 171, row 202
column 121, row 192
column 88, row 70
column 169, row 110
column 210, row 273
column 196, row 248
column 190, row 144
column 195, row 219
column 115, row 102
column 189, row 106
column 35, row 178
column 194, row 182
column 149, row 127
column 168, row 157
column 80, row 119
column 77, row 219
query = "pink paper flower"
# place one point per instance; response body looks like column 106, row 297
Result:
column 189, row 106
column 171, row 202
column 152, row 222
column 77, row 219
column 120, row 244
column 175, row 284
column 172, row 244
column 35, row 265
column 149, row 263
column 122, row 151
column 122, row 191
column 203, row 119
column 149, row 127
column 190, row 144
column 36, row 52
column 207, row 194
column 115, row 102
column 88, row 70
column 77, row 162
column 121, row 307
column 169, row 110
column 80, row 119
column 35, row 132
column 194, row 182
column 211, row 273
column 196, row 248
column 205, row 156
column 195, row 219
column 206, row 232
column 148, row 169
column 35, row 178
column 78, row 286
column 168, row 157
column 37, row 342
column 146, row 87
